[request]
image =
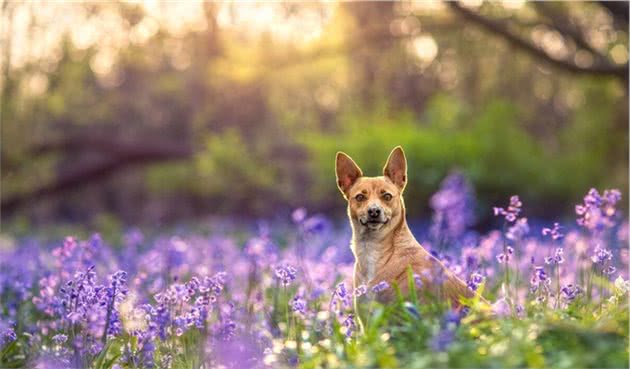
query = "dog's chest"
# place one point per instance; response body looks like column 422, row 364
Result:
column 367, row 256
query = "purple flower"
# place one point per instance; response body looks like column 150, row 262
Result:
column 133, row 237
column 557, row 258
column 298, row 305
column 597, row 212
column 412, row 310
column 140, row 354
column 570, row 291
column 59, row 339
column 7, row 336
column 609, row 270
column 417, row 280
column 518, row 230
column 226, row 330
column 215, row 284
column 474, row 281
column 540, row 273
column 341, row 290
column 446, row 335
column 601, row 255
column 350, row 325
column 315, row 224
column 360, row 291
column 340, row 299
column 285, row 274
column 503, row 258
column 298, row 215
column 539, row 281
column 442, row 340
column 380, row 287
column 511, row 213
column 453, row 207
column 554, row 232
column 451, row 319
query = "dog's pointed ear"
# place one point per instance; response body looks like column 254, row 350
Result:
column 347, row 172
column 396, row 168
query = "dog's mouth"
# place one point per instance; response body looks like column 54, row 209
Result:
column 373, row 223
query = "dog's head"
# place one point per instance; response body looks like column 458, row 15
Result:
column 375, row 204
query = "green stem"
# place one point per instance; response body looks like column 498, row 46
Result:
column 557, row 285
column 506, row 268
column 110, row 306
column 274, row 317
column 286, row 305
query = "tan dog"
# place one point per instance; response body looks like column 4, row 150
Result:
column 383, row 246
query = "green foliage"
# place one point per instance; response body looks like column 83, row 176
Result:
column 396, row 338
column 259, row 113
column 489, row 144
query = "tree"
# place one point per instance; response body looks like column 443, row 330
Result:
column 555, row 17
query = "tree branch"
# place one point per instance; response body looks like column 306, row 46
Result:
column 501, row 29
column 561, row 23
column 113, row 146
column 121, row 156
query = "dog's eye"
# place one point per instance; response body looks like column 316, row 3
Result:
column 387, row 196
column 360, row 197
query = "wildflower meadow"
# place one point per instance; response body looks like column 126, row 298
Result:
column 281, row 296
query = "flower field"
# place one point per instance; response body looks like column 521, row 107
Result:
column 282, row 296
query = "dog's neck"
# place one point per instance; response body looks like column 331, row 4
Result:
column 372, row 250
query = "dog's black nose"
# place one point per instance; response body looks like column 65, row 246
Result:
column 374, row 212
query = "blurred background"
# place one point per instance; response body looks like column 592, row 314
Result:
column 152, row 113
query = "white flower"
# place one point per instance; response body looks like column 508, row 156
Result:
column 621, row 285
column 613, row 300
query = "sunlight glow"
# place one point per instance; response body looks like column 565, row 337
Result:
column 108, row 29
column 425, row 48
column 619, row 54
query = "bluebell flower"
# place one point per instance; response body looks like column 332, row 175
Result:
column 412, row 310
column 597, row 212
column 298, row 215
column 442, row 340
column 554, row 232
column 503, row 258
column 474, row 281
column 341, row 290
column 350, row 325
column 609, row 270
column 451, row 319
column 540, row 280
column 226, row 330
column 59, row 339
column 417, row 280
column 518, row 230
column 285, row 274
column 340, row 299
column 601, row 255
column 7, row 336
column 315, row 224
column 380, row 287
column 570, row 291
column 453, row 208
column 445, row 337
column 513, row 210
column 556, row 258
column 298, row 305
column 360, row 291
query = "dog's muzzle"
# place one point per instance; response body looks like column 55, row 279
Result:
column 374, row 218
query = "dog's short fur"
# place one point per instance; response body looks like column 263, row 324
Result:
column 383, row 246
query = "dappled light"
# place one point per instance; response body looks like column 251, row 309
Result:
column 170, row 184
